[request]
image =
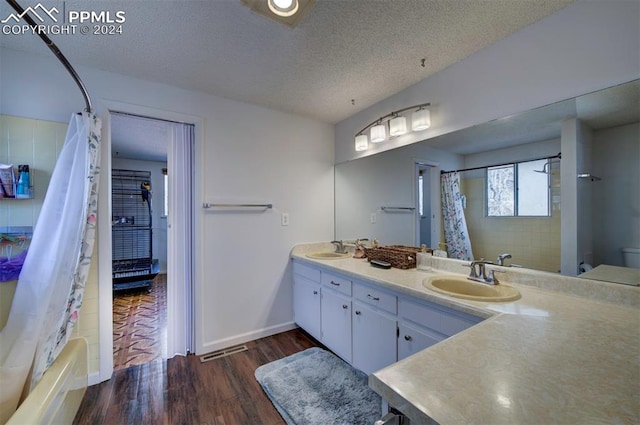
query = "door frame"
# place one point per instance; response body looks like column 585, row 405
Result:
column 434, row 200
column 105, row 293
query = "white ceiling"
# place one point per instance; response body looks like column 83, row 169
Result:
column 366, row 50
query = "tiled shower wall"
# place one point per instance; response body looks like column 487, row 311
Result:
column 534, row 242
column 38, row 144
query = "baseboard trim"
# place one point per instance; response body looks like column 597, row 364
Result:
column 246, row 337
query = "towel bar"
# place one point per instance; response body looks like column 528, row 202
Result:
column 207, row 205
column 397, row 208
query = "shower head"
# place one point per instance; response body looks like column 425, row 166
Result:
column 544, row 169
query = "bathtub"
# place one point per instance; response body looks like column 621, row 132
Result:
column 57, row 397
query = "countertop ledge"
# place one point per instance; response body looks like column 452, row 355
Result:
column 553, row 356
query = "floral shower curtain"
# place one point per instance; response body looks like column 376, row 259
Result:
column 51, row 285
column 455, row 225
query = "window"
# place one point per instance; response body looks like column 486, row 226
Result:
column 518, row 190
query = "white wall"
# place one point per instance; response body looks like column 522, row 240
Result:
column 577, row 243
column 616, row 198
column 243, row 152
column 587, row 46
column 159, row 223
column 585, row 195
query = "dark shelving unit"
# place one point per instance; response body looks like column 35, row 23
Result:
column 131, row 235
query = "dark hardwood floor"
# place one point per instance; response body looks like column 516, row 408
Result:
column 183, row 390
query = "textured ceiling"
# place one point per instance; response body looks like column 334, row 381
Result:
column 366, row 50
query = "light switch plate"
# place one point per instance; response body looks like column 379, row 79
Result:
column 373, row 218
column 284, row 219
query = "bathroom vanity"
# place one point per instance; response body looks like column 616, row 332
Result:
column 368, row 325
column 559, row 354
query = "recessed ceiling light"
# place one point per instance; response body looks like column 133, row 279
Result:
column 287, row 12
column 283, row 7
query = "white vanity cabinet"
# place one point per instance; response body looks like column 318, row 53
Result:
column 366, row 325
column 412, row 339
column 374, row 327
column 422, row 324
column 306, row 298
column 335, row 306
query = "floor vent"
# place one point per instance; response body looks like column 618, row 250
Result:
column 223, row 353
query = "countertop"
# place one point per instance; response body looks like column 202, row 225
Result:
column 604, row 272
column 549, row 357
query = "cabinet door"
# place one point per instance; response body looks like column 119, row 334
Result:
column 411, row 340
column 306, row 305
column 336, row 323
column 374, row 339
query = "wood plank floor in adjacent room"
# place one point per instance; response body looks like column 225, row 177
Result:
column 182, row 390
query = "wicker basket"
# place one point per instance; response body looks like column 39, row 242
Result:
column 399, row 256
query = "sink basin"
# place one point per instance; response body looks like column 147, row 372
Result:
column 461, row 287
column 327, row 255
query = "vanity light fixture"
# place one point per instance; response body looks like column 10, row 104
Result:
column 397, row 123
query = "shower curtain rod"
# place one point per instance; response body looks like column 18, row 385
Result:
column 56, row 51
column 559, row 156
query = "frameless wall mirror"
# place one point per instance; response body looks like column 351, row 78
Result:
column 598, row 171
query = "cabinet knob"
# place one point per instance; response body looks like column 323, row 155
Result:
column 408, row 338
column 334, row 283
column 373, row 298
column 315, row 292
column 345, row 306
column 358, row 312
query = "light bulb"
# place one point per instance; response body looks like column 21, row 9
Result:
column 283, row 7
column 283, row 4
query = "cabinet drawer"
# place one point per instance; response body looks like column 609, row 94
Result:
column 306, row 271
column 445, row 321
column 375, row 297
column 336, row 282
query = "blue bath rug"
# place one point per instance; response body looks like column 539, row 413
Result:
column 314, row 387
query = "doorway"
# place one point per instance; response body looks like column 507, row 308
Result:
column 164, row 149
column 428, row 203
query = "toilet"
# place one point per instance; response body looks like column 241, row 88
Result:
column 631, row 257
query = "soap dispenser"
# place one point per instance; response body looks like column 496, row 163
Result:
column 23, row 188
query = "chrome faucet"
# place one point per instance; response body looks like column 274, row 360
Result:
column 339, row 247
column 481, row 275
column 503, row 257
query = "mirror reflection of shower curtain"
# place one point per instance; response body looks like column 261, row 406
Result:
column 455, row 226
column 50, row 287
